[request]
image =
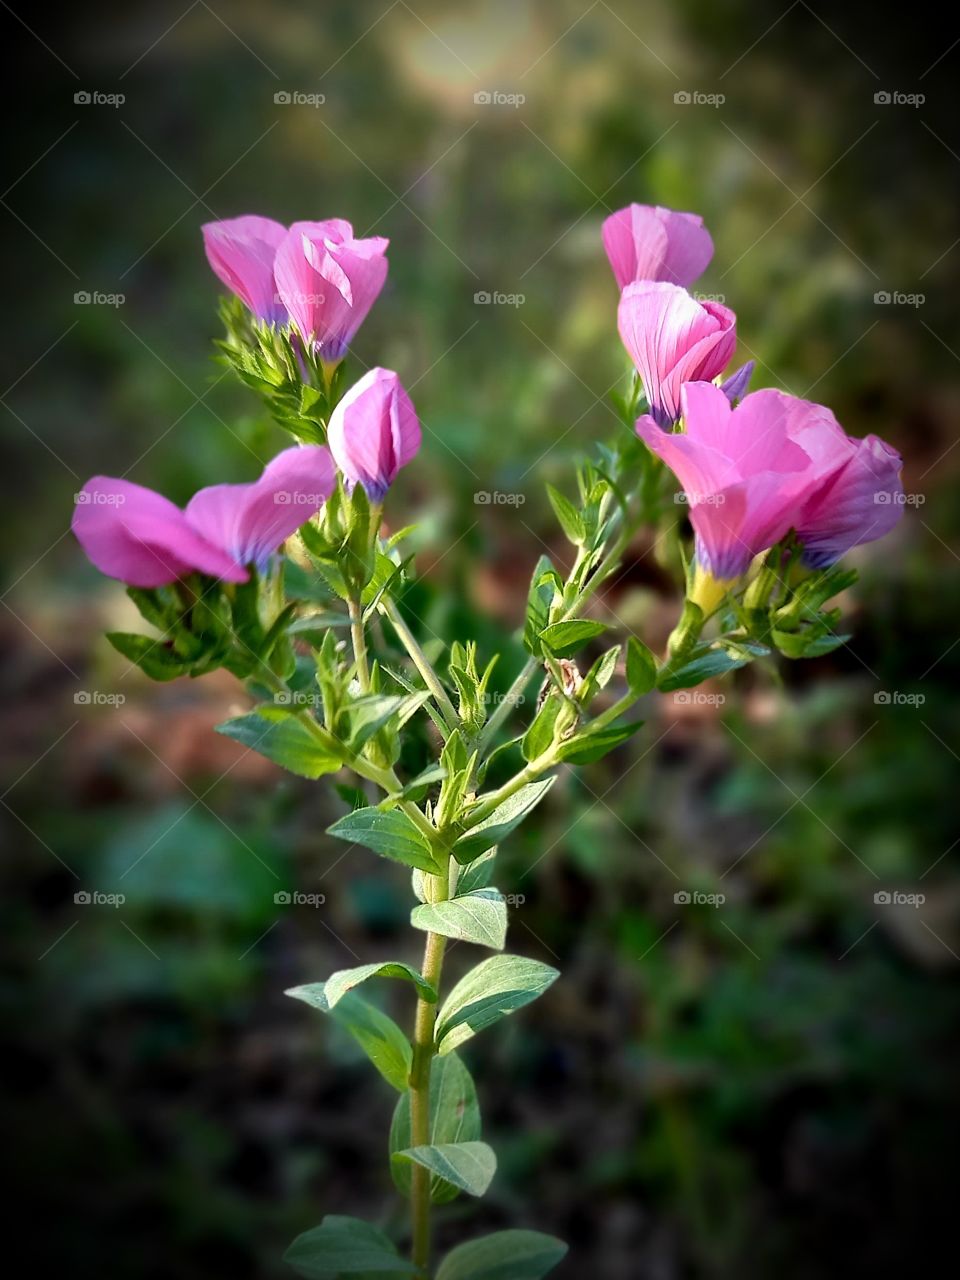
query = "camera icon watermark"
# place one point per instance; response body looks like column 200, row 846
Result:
column 96, row 498
column 95, row 898
column 897, row 298
column 95, row 98
column 296, row 98
column 486, row 298
column 694, row 98
column 698, row 698
column 494, row 498
column 896, row 98
column 896, row 698
column 497, row 98
column 94, row 298
column 697, row 898
column 96, row 698
column 897, row 898
column 894, row 498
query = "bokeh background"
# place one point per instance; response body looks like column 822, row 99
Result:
column 765, row 1087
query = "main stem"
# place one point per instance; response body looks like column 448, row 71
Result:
column 359, row 644
column 423, row 1052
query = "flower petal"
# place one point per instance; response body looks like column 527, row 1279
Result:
column 143, row 539
column 241, row 252
column 648, row 242
column 250, row 521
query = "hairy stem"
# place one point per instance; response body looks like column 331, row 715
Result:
column 423, row 1052
column 421, row 662
column 359, row 644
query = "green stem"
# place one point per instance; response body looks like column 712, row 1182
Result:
column 423, row 1053
column 359, row 644
column 421, row 662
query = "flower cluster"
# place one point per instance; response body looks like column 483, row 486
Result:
column 752, row 471
column 777, row 492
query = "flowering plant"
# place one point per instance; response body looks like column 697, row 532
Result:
column 262, row 579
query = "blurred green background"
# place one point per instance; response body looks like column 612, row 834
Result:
column 765, row 1087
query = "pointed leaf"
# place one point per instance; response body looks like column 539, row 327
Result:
column 378, row 1036
column 506, row 1255
column 571, row 522
column 641, row 667
column 454, row 1117
column 588, row 747
column 564, row 639
column 504, row 819
column 284, row 738
column 478, row 873
column 493, row 990
column 469, row 1166
column 344, row 980
column 345, row 1247
column 480, row 917
column 387, row 832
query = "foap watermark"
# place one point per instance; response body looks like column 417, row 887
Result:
column 97, row 698
column 512, row 899
column 897, row 898
column 897, row 98
column 96, row 98
column 295, row 498
column 897, row 298
column 710, row 297
column 493, row 697
column 697, row 898
column 297, row 698
column 897, row 698
column 698, row 698
column 96, row 898
column 497, row 98
column 295, row 298
column 683, row 499
column 894, row 498
column 694, row 98
column 494, row 498
column 484, row 298
column 95, row 498
column 297, row 98
column 94, row 298
column 296, row 898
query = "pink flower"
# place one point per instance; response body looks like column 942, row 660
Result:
column 241, row 252
column 673, row 339
column 773, row 464
column 373, row 432
column 142, row 538
column 859, row 497
column 328, row 281
column 646, row 242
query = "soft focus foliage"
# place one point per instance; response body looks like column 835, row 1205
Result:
column 761, row 1087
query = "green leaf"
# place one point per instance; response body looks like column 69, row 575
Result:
column 478, row 873
column 504, row 819
column 367, row 714
column 284, row 738
column 506, row 1255
column 387, row 832
column 564, row 639
column 154, row 657
column 344, row 980
column 806, row 643
column 544, row 586
column 714, row 662
column 571, row 522
column 540, row 734
column 598, row 677
column 454, row 1117
column 588, row 747
column 493, row 990
column 418, row 787
column 346, row 1247
column 377, row 1035
column 641, row 667
column 479, row 916
column 468, row 1166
